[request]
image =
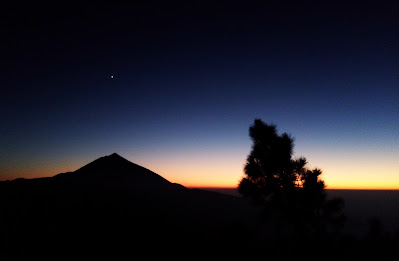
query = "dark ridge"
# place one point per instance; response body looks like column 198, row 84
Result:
column 115, row 208
column 114, row 171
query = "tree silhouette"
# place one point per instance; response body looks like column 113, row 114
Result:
column 292, row 195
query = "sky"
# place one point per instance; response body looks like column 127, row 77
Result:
column 175, row 87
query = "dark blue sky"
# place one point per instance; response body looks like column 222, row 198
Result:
column 190, row 79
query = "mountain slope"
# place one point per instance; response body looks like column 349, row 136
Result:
column 114, row 171
column 112, row 206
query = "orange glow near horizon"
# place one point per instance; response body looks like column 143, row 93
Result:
column 221, row 170
column 194, row 179
column 373, row 184
column 229, row 175
column 361, row 173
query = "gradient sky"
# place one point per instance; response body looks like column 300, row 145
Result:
column 190, row 79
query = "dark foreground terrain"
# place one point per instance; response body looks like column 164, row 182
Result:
column 113, row 208
column 362, row 209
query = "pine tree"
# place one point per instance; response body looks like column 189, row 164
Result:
column 287, row 190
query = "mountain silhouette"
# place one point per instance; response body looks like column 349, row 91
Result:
column 113, row 207
column 114, row 171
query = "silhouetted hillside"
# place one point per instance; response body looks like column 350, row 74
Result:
column 115, row 172
column 114, row 207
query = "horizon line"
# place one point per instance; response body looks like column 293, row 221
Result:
column 345, row 188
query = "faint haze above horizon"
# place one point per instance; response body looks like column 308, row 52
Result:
column 174, row 88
